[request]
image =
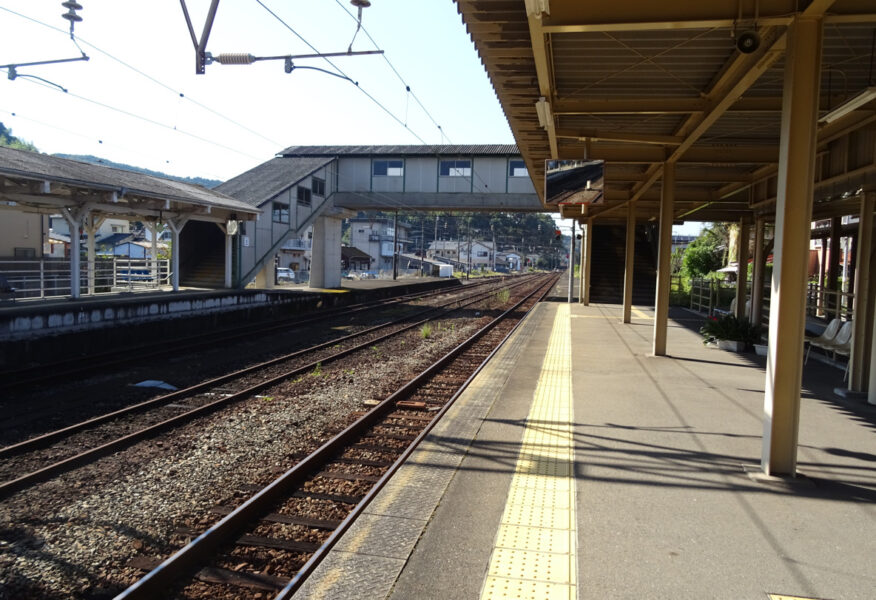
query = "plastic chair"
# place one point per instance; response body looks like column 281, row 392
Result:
column 842, row 342
column 826, row 337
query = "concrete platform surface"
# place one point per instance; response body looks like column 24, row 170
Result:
column 577, row 465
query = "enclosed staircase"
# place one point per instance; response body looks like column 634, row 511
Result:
column 607, row 265
column 207, row 271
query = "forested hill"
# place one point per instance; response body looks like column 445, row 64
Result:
column 95, row 160
column 8, row 140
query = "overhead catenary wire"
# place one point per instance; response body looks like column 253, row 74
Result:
column 98, row 139
column 151, row 121
column 151, row 78
column 397, row 74
column 340, row 71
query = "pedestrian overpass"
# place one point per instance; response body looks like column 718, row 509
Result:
column 318, row 186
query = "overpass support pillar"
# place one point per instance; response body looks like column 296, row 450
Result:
column 325, row 264
column 742, row 269
column 791, row 252
column 629, row 261
column 664, row 264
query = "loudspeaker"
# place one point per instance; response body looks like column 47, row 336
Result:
column 747, row 42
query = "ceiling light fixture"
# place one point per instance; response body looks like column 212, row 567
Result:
column 543, row 110
column 850, row 105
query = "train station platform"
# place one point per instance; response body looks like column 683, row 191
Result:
column 577, row 465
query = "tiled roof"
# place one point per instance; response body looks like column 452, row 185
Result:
column 33, row 165
column 260, row 184
column 421, row 150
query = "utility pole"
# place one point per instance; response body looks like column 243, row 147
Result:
column 395, row 247
column 495, row 249
column 422, row 246
column 468, row 229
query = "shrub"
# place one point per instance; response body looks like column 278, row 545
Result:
column 728, row 327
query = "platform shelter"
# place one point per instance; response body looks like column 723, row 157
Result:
column 751, row 113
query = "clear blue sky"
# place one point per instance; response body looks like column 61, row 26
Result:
column 139, row 118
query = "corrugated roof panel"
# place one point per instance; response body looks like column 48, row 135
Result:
column 401, row 150
column 33, row 165
column 260, row 184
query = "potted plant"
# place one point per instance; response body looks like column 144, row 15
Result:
column 730, row 333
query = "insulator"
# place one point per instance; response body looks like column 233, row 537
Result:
column 360, row 3
column 72, row 17
column 234, row 58
column 71, row 5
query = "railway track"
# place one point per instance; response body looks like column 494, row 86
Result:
column 94, row 363
column 49, row 455
column 275, row 539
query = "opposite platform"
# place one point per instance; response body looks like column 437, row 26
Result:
column 576, row 465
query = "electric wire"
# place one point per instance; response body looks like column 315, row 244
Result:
column 153, row 122
column 92, row 138
column 397, row 74
column 341, row 72
column 150, row 78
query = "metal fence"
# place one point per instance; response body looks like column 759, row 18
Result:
column 50, row 277
column 828, row 304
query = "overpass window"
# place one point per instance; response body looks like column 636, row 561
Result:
column 455, row 168
column 280, row 212
column 317, row 186
column 388, row 168
column 304, row 196
column 517, row 168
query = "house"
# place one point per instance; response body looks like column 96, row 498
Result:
column 375, row 237
column 509, row 260
column 481, row 252
column 23, row 235
column 353, row 259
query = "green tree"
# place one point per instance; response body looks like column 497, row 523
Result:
column 10, row 141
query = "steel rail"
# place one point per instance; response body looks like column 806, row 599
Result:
column 308, row 567
column 10, row 487
column 76, row 366
column 53, row 436
column 157, row 581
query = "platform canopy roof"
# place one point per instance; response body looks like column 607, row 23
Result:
column 638, row 82
column 33, row 182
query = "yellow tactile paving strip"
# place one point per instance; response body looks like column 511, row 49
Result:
column 534, row 552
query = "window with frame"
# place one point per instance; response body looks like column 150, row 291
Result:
column 388, row 168
column 455, row 168
column 24, row 252
column 317, row 186
column 280, row 212
column 517, row 168
column 304, row 196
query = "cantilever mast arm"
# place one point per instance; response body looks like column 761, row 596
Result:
column 200, row 45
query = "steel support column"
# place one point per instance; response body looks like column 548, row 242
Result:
column 629, row 261
column 572, row 264
column 176, row 227
column 833, row 265
column 583, row 259
column 588, row 260
column 758, row 271
column 661, row 302
column 859, row 359
column 75, row 219
column 791, row 252
column 742, row 268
